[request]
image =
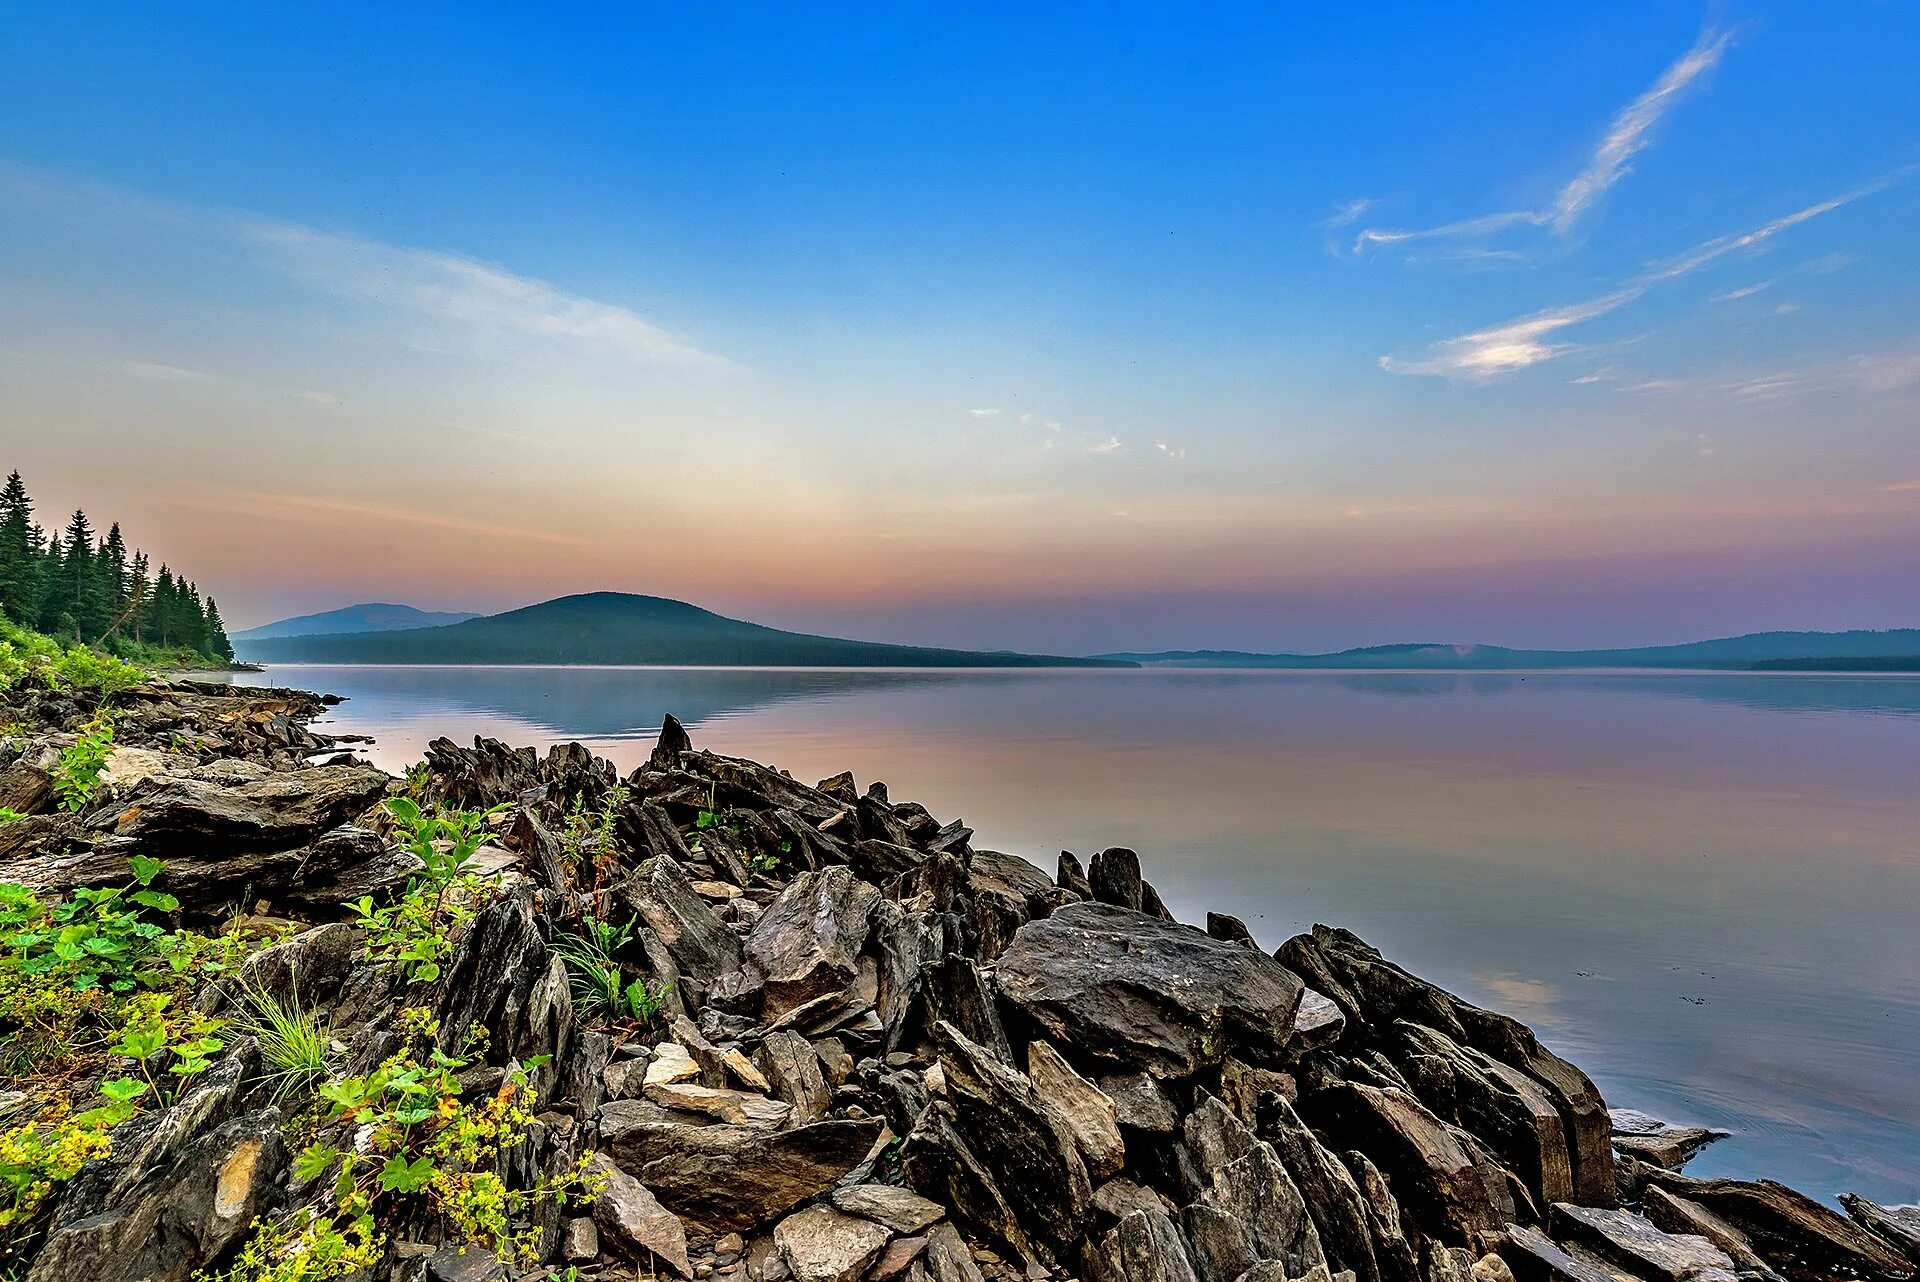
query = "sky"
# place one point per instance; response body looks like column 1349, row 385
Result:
column 1052, row 327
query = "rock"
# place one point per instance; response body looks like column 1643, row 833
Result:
column 464, row 1264
column 1373, row 992
column 1490, row 1268
column 1392, row 1252
column 1240, row 1175
column 1019, row 1137
column 1648, row 1138
column 1143, row 1247
column 671, row 1063
column 1317, row 1023
column 1115, row 878
column 742, row 1070
column 792, row 1068
column 1899, row 1225
column 1007, row 892
column 1120, row 1197
column 1677, row 1215
column 723, row 1177
column 893, row 1261
column 1140, row 1102
column 937, row 1161
column 629, row 1214
column 579, row 1240
column 948, row 1259
column 1532, row 1256
column 1121, row 986
column 1631, row 1241
column 1333, row 1198
column 1229, row 929
column 1794, row 1234
column 1447, row 1186
column 901, row 1210
column 736, row 1107
column 807, row 943
column 822, row 1245
column 1071, row 877
column 1088, row 1115
column 661, row 894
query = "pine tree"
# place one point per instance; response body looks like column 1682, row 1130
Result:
column 218, row 647
column 19, row 555
column 164, row 604
column 139, row 598
column 112, row 567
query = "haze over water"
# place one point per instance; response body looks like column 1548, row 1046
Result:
column 1703, row 889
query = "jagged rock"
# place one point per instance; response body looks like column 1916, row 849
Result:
column 808, row 941
column 1505, row 1108
column 938, row 1162
column 1089, row 1116
column 822, row 1245
column 1333, row 1198
column 1121, row 986
column 1020, row 1138
column 629, row 1214
column 1634, row 1243
column 722, row 1177
column 1490, row 1268
column 579, row 1240
column 1317, row 1023
column 1120, row 1197
column 174, row 1217
column 671, row 1062
column 1240, row 1175
column 309, row 968
column 1144, row 1247
column 1218, row 1245
column 737, row 1107
column 1796, row 1235
column 341, row 866
column 661, row 894
column 1899, row 1225
column 1534, row 1257
column 948, row 1259
column 792, row 1068
column 1115, row 878
column 1677, row 1215
column 901, row 1210
column 1072, row 877
column 1434, row 1172
column 1140, row 1102
column 893, row 1261
column 1648, row 1138
column 1008, row 892
column 1373, row 992
column 957, row 992
column 1229, row 929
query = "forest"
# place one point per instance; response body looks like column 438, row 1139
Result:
column 91, row 590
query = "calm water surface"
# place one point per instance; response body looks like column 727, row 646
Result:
column 1703, row 889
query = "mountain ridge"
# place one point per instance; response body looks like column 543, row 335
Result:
column 627, row 628
column 1737, row 652
column 366, row 616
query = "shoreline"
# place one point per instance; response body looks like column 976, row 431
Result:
column 1418, row 1135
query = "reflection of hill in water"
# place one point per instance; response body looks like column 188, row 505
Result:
column 1886, row 695
column 596, row 703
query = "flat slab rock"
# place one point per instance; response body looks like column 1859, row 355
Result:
column 1650, row 1139
column 1632, row 1241
column 1128, row 988
column 901, row 1210
column 821, row 1244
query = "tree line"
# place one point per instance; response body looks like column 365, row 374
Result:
column 97, row 591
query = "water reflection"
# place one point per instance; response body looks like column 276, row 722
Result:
column 1702, row 888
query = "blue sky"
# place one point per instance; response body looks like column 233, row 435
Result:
column 1077, row 327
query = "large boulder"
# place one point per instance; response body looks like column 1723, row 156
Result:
column 1127, row 988
column 807, row 943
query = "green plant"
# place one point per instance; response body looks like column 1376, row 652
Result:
column 39, row 1156
column 94, row 937
column 418, row 775
column 304, row 1247
column 292, row 1041
column 418, row 1142
column 9, row 815
column 152, row 1034
column 414, row 929
column 709, row 816
column 80, row 765
column 600, row 990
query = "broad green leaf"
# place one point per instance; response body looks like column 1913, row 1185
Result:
column 144, row 869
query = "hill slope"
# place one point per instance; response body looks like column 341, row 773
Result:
column 372, row 616
column 617, row 627
column 1722, row 652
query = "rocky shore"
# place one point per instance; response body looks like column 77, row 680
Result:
column 817, row 1035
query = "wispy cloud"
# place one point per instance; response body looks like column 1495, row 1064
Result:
column 1349, row 212
column 995, row 412
column 1900, row 487
column 1530, row 340
column 327, row 511
column 421, row 281
column 164, row 373
column 1105, row 446
column 1630, row 133
column 1871, row 373
column 454, row 287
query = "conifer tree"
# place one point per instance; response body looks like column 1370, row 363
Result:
column 19, row 555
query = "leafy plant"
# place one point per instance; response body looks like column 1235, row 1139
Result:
column 600, row 990
column 9, row 815
column 152, row 1035
column 292, row 1041
column 94, row 937
column 78, row 772
column 39, row 1156
column 414, row 929
column 708, row 817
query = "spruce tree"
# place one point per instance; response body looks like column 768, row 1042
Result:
column 218, row 647
column 19, row 568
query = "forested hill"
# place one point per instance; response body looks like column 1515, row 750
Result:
column 1752, row 650
column 79, row 586
column 617, row 627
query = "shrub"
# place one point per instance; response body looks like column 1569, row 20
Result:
column 80, row 766
column 415, row 929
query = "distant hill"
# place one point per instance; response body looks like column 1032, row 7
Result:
column 1741, row 652
column 374, row 616
column 1864, row 663
column 617, row 627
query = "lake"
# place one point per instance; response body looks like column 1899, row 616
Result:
column 1704, row 889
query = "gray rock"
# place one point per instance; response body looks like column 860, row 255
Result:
column 1317, row 1023
column 1143, row 1247
column 808, row 941
column 633, row 1218
column 1633, row 1242
column 662, row 895
column 948, row 1259
column 1788, row 1229
column 1115, row 878
column 1088, row 1115
column 1140, row 1102
column 1333, row 1199
column 1123, row 987
column 1677, row 1215
column 737, row 1107
column 1648, row 1138
column 464, row 1264
column 893, row 1261
column 792, row 1070
column 901, row 1210
column 1899, row 1225
column 579, row 1240
column 821, row 1244
column 1532, row 1256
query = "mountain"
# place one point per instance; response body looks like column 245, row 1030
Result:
column 1742, row 652
column 374, row 616
column 617, row 627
